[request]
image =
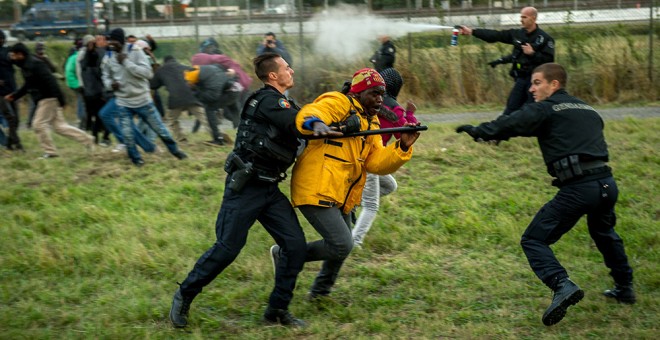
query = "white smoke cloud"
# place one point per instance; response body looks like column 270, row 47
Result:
column 349, row 32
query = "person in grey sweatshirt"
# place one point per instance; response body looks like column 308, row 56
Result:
column 126, row 71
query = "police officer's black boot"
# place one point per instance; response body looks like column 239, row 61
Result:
column 566, row 294
column 283, row 317
column 623, row 293
column 180, row 308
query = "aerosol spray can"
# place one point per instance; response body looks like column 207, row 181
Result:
column 454, row 36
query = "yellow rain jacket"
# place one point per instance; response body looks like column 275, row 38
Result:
column 332, row 172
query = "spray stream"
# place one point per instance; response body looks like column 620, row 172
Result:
column 349, row 32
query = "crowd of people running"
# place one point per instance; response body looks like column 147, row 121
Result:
column 116, row 81
column 116, row 78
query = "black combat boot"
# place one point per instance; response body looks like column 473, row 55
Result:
column 283, row 317
column 566, row 294
column 623, row 293
column 179, row 310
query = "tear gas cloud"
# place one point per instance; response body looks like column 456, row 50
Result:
column 347, row 32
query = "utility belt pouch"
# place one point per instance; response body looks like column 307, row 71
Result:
column 567, row 168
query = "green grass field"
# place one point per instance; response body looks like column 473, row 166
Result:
column 92, row 247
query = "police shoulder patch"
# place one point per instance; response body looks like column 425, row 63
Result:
column 551, row 44
column 284, row 103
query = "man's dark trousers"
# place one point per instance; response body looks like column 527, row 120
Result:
column 258, row 201
column 596, row 199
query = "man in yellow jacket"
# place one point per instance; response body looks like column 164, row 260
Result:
column 329, row 175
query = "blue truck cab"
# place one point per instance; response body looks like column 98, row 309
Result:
column 64, row 19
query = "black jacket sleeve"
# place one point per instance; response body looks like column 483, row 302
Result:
column 521, row 123
column 492, row 36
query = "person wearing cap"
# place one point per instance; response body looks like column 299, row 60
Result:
column 8, row 85
column 377, row 186
column 49, row 100
column 126, row 71
column 329, row 175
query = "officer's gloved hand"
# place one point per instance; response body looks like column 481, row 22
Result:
column 469, row 129
column 496, row 62
column 351, row 124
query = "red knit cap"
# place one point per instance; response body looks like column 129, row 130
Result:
column 366, row 78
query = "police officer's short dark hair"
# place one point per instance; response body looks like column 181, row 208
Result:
column 264, row 64
column 553, row 71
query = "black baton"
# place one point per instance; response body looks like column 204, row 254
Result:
column 402, row 129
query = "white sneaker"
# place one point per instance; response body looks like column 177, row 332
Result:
column 119, row 148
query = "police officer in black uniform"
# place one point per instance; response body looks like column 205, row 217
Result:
column 265, row 147
column 531, row 47
column 570, row 135
column 385, row 55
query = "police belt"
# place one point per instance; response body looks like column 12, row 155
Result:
column 269, row 176
column 567, row 173
column 589, row 167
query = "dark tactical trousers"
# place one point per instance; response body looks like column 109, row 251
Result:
column 596, row 199
column 258, row 201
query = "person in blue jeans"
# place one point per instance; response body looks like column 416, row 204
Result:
column 126, row 72
column 110, row 116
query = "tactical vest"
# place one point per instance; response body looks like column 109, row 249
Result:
column 260, row 142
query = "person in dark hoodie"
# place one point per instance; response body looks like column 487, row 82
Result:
column 49, row 100
column 181, row 96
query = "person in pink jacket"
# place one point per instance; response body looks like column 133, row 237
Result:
column 381, row 185
column 210, row 54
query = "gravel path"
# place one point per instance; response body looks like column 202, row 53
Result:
column 467, row 117
column 609, row 114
